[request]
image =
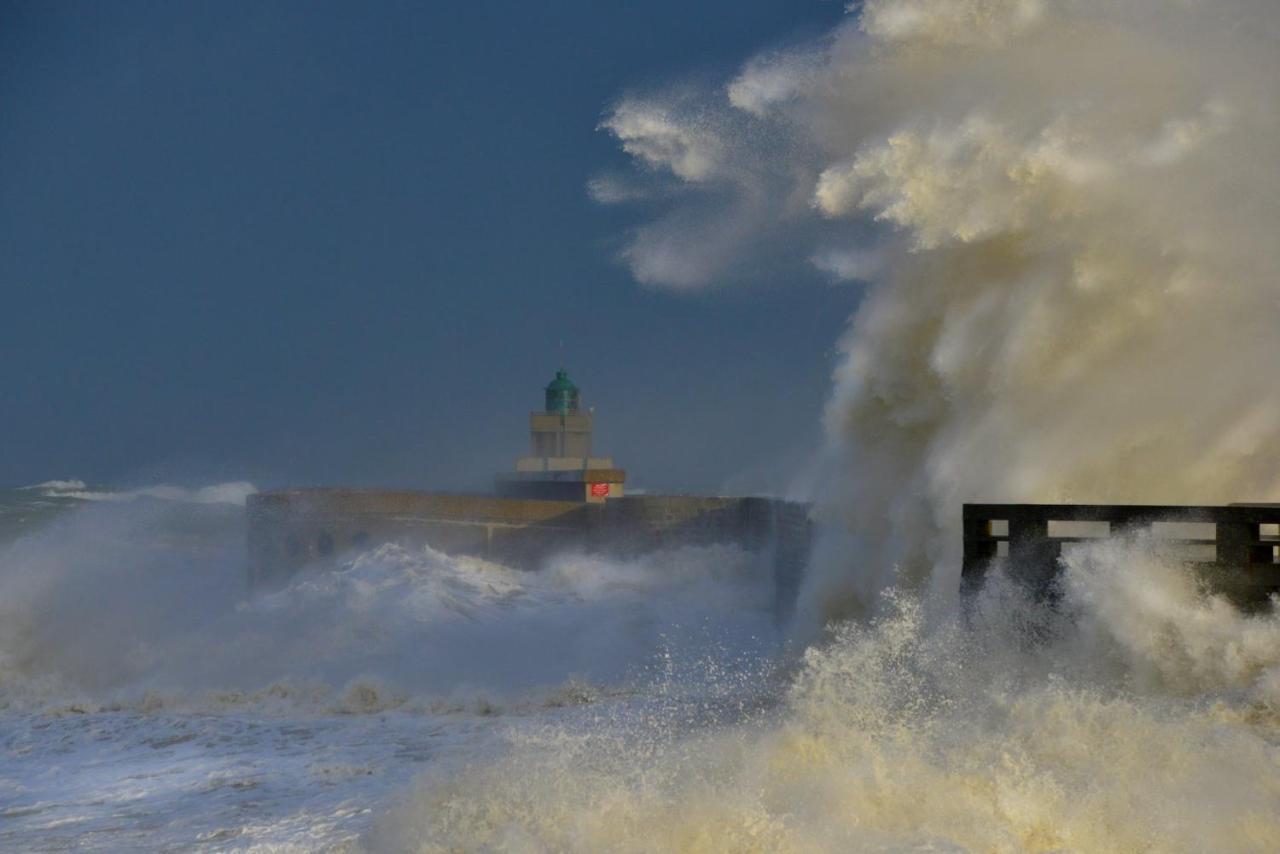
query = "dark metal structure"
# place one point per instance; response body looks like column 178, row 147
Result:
column 1235, row 549
column 562, row 395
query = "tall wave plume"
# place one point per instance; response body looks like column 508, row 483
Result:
column 1064, row 214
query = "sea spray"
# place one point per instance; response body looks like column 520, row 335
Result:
column 1063, row 214
column 116, row 601
column 897, row 735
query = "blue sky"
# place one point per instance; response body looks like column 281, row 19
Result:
column 341, row 242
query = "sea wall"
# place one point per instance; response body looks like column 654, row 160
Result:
column 291, row 530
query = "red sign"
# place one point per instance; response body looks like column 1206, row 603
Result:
column 599, row 490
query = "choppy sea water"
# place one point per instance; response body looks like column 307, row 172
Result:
column 148, row 702
column 414, row 701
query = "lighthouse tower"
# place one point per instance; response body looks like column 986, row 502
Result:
column 560, row 435
column 560, row 465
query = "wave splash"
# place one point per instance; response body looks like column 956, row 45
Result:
column 1063, row 216
column 143, row 605
column 1142, row 715
column 232, row 492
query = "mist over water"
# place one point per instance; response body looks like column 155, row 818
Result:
column 147, row 700
column 116, row 600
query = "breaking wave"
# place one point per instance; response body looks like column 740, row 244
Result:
column 1139, row 715
column 57, row 486
column 235, row 492
column 145, row 606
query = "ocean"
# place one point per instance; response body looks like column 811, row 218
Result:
column 148, row 702
column 414, row 701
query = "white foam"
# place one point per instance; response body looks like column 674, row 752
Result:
column 234, row 492
column 121, row 598
column 1141, row 717
column 137, row 678
column 58, row 485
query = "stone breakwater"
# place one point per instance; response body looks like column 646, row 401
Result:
column 291, row 530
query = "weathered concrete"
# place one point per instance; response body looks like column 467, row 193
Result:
column 593, row 485
column 1234, row 549
column 293, row 529
column 559, row 434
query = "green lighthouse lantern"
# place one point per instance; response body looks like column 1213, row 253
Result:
column 562, row 394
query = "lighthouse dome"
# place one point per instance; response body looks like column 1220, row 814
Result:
column 562, row 394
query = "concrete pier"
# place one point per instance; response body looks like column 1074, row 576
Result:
column 1234, row 549
column 292, row 530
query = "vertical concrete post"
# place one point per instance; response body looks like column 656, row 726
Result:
column 976, row 552
column 980, row 547
column 1033, row 557
column 1234, row 542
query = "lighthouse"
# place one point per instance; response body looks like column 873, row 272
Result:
column 560, row 464
column 560, row 434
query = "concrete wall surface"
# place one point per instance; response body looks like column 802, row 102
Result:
column 292, row 530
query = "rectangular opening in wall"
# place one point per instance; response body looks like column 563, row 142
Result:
column 1206, row 531
column 1269, row 531
column 1079, row 530
column 998, row 528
